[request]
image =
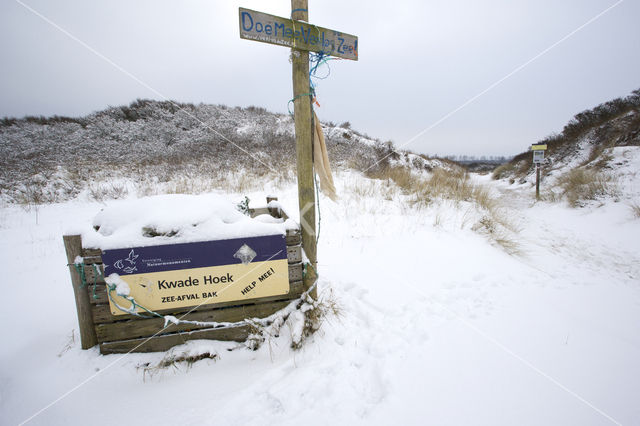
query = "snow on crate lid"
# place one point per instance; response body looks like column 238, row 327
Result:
column 175, row 218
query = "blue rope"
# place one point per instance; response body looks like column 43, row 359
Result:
column 316, row 60
column 291, row 101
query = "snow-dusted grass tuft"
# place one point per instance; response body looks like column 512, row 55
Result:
column 453, row 184
column 504, row 170
column 108, row 190
column 512, row 170
column 580, row 185
column 238, row 181
column 635, row 209
column 176, row 359
column 498, row 228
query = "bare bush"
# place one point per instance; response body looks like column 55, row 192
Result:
column 164, row 144
column 107, row 191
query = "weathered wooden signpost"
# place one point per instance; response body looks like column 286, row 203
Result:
column 538, row 159
column 302, row 38
column 150, row 297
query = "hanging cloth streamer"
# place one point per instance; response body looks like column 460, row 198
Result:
column 321, row 161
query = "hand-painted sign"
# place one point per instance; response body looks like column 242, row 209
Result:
column 296, row 34
column 172, row 276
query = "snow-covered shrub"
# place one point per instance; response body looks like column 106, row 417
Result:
column 174, row 146
column 107, row 191
column 496, row 226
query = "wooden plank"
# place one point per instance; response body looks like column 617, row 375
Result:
column 91, row 260
column 295, row 272
column 258, row 211
column 101, row 312
column 90, row 275
column 293, row 237
column 294, row 254
column 91, row 252
column 297, row 288
column 167, row 341
column 296, row 34
column 73, row 248
column 124, row 330
column 274, row 211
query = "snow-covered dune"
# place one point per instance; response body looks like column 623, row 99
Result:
column 436, row 325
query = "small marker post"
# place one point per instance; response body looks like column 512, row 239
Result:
column 538, row 181
column 538, row 158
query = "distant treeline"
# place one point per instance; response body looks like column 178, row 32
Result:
column 470, row 159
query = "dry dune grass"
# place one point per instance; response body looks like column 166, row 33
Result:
column 453, row 184
column 582, row 184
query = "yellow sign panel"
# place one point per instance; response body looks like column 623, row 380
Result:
column 193, row 287
column 542, row 147
column 170, row 276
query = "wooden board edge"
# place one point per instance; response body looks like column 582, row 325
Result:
column 133, row 329
column 167, row 341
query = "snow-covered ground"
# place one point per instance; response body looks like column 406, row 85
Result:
column 437, row 326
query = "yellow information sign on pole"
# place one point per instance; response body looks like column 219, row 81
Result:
column 538, row 158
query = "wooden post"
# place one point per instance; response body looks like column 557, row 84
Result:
column 73, row 247
column 304, row 146
column 273, row 211
column 537, row 181
column 296, row 32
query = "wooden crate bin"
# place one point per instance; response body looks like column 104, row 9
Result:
column 129, row 333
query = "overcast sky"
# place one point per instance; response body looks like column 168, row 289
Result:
column 418, row 62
